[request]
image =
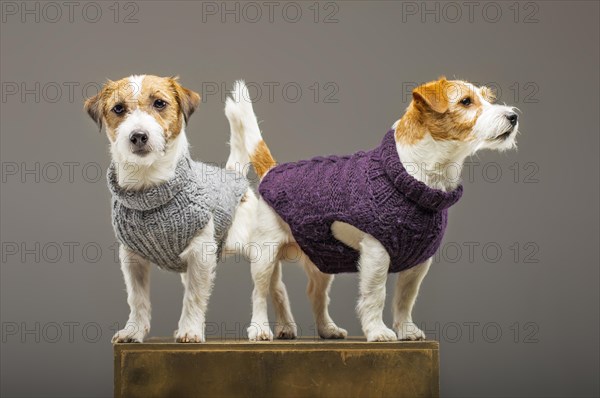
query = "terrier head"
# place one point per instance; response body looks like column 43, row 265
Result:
column 142, row 115
column 454, row 111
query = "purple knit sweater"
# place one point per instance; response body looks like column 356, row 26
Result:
column 369, row 190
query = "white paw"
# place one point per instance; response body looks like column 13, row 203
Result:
column 381, row 334
column 257, row 333
column 189, row 336
column 130, row 334
column 409, row 331
column 286, row 331
column 332, row 331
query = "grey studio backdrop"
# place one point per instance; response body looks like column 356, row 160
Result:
column 513, row 295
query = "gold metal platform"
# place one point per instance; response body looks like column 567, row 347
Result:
column 160, row 367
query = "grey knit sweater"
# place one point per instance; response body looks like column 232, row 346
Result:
column 158, row 223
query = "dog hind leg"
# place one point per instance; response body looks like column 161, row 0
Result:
column 262, row 270
column 285, row 328
column 317, row 290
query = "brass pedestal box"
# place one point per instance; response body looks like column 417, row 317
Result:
column 291, row 368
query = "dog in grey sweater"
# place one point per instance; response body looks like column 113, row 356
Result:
column 169, row 210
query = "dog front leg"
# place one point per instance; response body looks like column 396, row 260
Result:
column 136, row 272
column 201, row 259
column 407, row 289
column 374, row 263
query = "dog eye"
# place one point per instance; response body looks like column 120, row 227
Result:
column 466, row 101
column 159, row 104
column 118, row 109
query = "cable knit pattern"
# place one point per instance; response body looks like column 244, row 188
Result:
column 158, row 223
column 369, row 190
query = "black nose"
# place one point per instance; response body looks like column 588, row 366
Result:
column 138, row 138
column 512, row 118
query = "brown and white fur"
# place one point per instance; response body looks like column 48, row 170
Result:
column 145, row 118
column 445, row 122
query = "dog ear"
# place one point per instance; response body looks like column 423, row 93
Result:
column 488, row 94
column 432, row 96
column 93, row 106
column 188, row 100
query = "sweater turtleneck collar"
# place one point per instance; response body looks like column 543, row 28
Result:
column 152, row 197
column 415, row 190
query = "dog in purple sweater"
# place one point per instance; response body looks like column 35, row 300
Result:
column 374, row 212
column 371, row 191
